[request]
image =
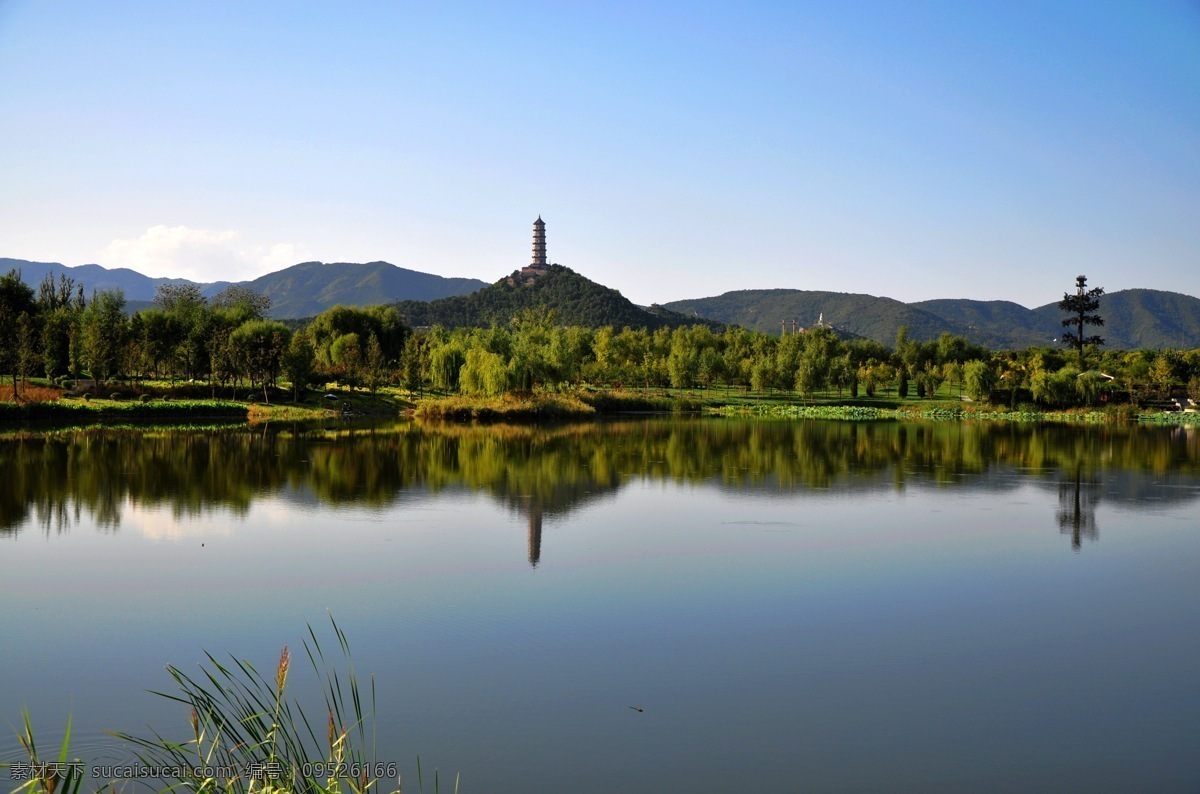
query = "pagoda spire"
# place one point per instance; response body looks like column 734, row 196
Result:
column 539, row 243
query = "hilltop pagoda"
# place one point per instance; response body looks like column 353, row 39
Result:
column 539, row 243
column 539, row 266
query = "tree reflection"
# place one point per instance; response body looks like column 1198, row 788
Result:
column 542, row 473
column 1077, row 509
column 534, row 535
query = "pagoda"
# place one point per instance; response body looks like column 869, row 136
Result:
column 539, row 266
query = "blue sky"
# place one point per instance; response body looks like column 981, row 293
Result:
column 676, row 150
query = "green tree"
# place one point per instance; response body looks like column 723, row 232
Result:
column 446, row 359
column 298, row 362
column 683, row 361
column 812, row 371
column 224, row 362
column 710, row 366
column 16, row 299
column 332, row 324
column 104, row 328
column 260, row 345
column 27, row 344
column 483, row 373
column 346, row 353
column 931, row 378
column 1162, row 375
column 952, row 371
column 243, row 302
column 186, row 330
column 413, row 364
column 1087, row 387
column 1082, row 307
column 57, row 328
column 53, row 296
column 529, row 362
column 979, row 378
column 375, row 366
column 160, row 336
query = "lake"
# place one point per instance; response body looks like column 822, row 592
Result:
column 793, row 605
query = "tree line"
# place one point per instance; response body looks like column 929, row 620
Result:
column 229, row 342
column 223, row 342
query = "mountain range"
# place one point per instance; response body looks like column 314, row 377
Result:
column 1134, row 318
column 302, row 290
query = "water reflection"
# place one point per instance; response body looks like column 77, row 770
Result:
column 1077, row 499
column 541, row 473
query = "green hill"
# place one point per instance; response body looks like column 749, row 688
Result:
column 861, row 315
column 575, row 300
column 1140, row 318
column 310, row 288
column 997, row 324
column 1135, row 318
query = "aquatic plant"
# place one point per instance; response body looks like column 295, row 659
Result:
column 247, row 736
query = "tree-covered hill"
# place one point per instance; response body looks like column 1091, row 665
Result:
column 1141, row 318
column 1135, row 318
column 861, row 315
column 997, row 324
column 574, row 299
column 310, row 288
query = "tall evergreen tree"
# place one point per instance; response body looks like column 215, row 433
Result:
column 1082, row 307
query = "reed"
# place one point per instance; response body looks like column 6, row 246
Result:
column 247, row 735
column 47, row 777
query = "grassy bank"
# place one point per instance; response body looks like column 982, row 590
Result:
column 508, row 408
column 550, row 406
column 165, row 402
column 80, row 411
column 951, row 411
column 182, row 403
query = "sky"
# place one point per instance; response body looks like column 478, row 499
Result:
column 917, row 150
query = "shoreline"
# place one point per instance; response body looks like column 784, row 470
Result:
column 579, row 405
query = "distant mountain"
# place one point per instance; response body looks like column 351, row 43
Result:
column 1135, row 318
column 310, row 288
column 1140, row 318
column 574, row 299
column 997, row 324
column 302, row 290
column 95, row 278
column 863, row 315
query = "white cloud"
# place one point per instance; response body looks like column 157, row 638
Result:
column 199, row 254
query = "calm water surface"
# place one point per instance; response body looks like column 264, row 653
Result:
column 796, row 606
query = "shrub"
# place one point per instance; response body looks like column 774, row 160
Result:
column 86, row 396
column 117, row 396
column 145, row 398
